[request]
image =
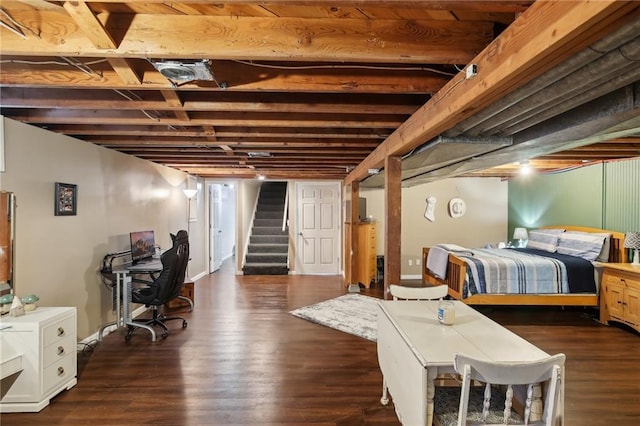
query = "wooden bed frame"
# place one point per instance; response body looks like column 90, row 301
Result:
column 456, row 274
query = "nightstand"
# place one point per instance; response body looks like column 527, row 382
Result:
column 620, row 294
column 44, row 341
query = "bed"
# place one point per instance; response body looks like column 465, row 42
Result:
column 463, row 267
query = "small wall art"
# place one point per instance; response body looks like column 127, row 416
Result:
column 66, row 198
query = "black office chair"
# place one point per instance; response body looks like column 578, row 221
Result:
column 167, row 286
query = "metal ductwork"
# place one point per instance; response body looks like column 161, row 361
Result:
column 573, row 104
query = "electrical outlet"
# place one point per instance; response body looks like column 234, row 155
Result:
column 418, row 262
column 410, row 262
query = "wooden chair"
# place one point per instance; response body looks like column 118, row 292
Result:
column 418, row 293
column 480, row 405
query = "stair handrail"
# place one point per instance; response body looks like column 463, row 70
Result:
column 248, row 236
column 285, row 213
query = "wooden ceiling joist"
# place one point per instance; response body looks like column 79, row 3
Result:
column 298, row 39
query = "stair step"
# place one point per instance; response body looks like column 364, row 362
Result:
column 265, row 269
column 269, row 230
column 268, row 222
column 267, row 258
column 269, row 215
column 269, row 239
column 268, row 248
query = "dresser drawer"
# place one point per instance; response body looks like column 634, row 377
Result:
column 58, row 330
column 621, row 278
column 57, row 350
column 57, row 373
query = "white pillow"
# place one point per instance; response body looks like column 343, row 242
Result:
column 544, row 239
column 581, row 244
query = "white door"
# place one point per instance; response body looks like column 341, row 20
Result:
column 215, row 232
column 318, row 233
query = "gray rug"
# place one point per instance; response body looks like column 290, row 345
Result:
column 351, row 313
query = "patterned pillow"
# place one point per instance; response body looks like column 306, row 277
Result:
column 544, row 239
column 581, row 244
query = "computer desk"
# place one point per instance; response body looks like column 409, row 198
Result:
column 123, row 287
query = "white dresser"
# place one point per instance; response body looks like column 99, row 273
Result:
column 42, row 344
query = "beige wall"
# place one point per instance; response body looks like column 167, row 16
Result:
column 485, row 220
column 57, row 257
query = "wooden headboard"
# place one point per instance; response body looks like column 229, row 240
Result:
column 617, row 252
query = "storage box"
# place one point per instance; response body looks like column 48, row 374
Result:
column 187, row 291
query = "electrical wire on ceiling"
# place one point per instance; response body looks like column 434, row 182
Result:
column 346, row 66
column 18, row 26
column 134, row 97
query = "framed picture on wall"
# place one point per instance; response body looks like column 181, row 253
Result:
column 66, row 198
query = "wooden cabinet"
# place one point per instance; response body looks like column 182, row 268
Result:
column 45, row 342
column 620, row 294
column 367, row 238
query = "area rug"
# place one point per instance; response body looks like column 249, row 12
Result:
column 351, row 313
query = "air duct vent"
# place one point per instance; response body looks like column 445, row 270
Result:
column 183, row 72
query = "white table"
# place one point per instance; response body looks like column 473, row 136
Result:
column 414, row 348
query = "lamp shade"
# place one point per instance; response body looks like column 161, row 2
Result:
column 190, row 193
column 632, row 240
column 520, row 234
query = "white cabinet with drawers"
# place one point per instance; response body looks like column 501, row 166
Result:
column 45, row 340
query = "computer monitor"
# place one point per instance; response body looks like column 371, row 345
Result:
column 142, row 245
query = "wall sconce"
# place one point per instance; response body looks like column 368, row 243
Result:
column 190, row 193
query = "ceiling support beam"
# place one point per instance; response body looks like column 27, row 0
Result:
column 392, row 222
column 339, row 40
column 546, row 34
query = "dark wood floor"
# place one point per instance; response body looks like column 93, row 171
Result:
column 243, row 360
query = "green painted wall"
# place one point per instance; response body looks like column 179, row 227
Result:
column 599, row 196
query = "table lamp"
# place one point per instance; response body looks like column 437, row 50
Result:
column 632, row 241
column 521, row 235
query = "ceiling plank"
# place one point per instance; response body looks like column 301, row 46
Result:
column 298, row 39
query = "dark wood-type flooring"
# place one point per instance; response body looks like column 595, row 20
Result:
column 243, row 360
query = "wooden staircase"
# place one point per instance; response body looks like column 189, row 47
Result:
column 268, row 250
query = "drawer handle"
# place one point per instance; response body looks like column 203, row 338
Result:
column 60, row 331
column 60, row 350
column 60, row 371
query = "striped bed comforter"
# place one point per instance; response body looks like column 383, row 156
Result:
column 525, row 271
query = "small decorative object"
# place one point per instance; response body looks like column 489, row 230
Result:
column 30, row 302
column 430, row 212
column 446, row 312
column 65, row 202
column 457, row 207
column 5, row 302
column 632, row 241
column 16, row 309
column 521, row 235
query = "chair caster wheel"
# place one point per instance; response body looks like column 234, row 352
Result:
column 127, row 337
column 184, row 324
column 164, row 335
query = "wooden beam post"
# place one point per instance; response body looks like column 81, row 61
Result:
column 393, row 221
column 351, row 246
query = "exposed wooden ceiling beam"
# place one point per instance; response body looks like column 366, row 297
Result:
column 298, row 39
column 88, row 99
column 198, row 119
column 240, row 77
